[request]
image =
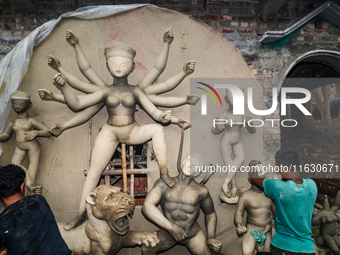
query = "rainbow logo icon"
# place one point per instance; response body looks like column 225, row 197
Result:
column 209, row 93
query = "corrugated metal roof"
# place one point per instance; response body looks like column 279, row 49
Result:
column 328, row 11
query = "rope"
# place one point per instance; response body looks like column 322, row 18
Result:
column 179, row 159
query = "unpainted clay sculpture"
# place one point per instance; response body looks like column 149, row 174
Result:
column 27, row 129
column 256, row 233
column 120, row 99
column 107, row 229
column 327, row 218
column 231, row 142
column 181, row 205
column 151, row 91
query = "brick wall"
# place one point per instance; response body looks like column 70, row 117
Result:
column 140, row 187
column 315, row 140
column 238, row 21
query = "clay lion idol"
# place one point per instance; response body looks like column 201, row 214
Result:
column 181, row 206
column 107, row 227
column 120, row 99
column 27, row 129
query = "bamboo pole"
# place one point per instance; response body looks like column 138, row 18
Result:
column 120, row 172
column 124, row 167
column 107, row 180
column 132, row 176
column 148, row 153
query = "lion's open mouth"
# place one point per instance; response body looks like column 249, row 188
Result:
column 122, row 224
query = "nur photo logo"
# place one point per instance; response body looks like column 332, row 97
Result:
column 204, row 96
column 239, row 98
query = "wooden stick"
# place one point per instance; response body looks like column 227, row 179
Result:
column 108, row 171
column 120, row 172
column 107, row 180
column 132, row 176
column 124, row 167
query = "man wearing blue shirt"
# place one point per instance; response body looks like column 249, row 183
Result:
column 294, row 199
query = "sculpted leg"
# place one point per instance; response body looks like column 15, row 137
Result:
column 226, row 150
column 97, row 249
column 229, row 186
column 167, row 241
column 34, row 156
column 266, row 247
column 233, row 187
column 155, row 132
column 319, row 241
column 335, row 247
column 332, row 245
column 18, row 157
column 105, row 145
column 198, row 244
column 248, row 243
column 337, row 240
column 237, row 162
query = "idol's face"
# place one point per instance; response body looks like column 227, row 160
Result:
column 21, row 105
column 120, row 66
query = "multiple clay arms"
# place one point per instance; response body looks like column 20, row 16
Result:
column 120, row 99
column 231, row 143
column 26, row 129
column 96, row 83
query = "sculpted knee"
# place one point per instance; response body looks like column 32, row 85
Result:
column 158, row 128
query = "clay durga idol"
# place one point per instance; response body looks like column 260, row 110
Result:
column 120, row 99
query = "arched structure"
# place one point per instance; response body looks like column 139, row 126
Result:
column 326, row 57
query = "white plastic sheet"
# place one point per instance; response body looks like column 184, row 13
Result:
column 14, row 65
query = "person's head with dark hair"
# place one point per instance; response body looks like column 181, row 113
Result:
column 287, row 157
column 11, row 180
